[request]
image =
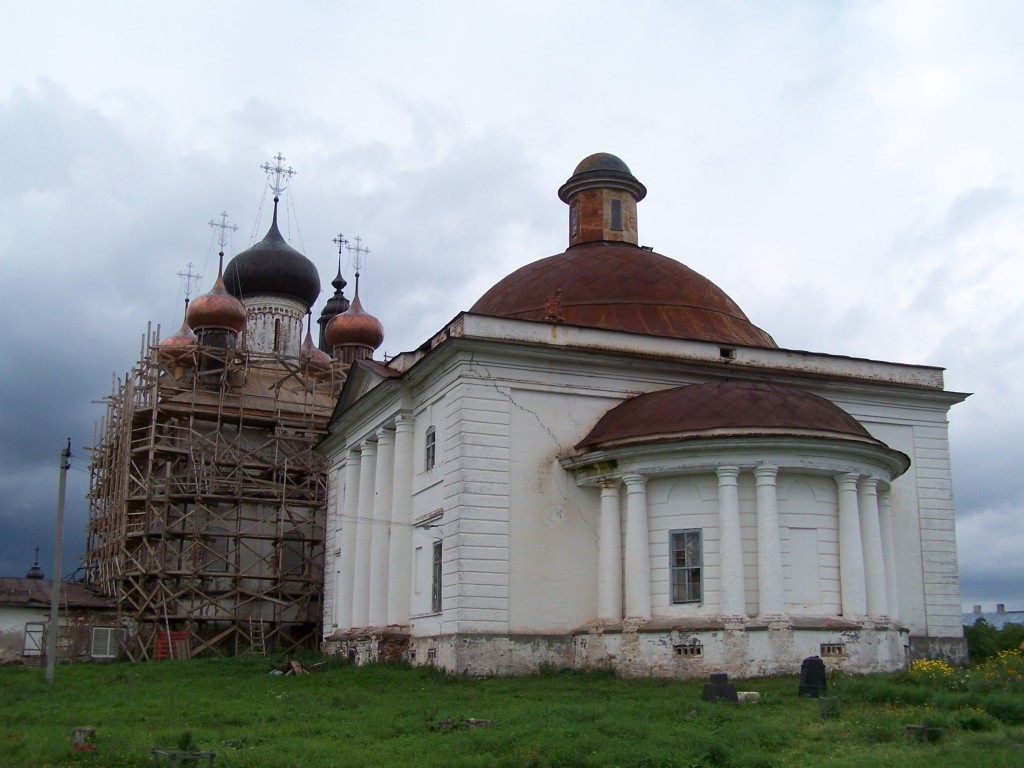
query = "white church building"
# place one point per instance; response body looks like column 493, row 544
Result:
column 604, row 463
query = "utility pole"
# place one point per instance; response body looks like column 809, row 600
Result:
column 54, row 629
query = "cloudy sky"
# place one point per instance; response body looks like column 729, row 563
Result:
column 851, row 173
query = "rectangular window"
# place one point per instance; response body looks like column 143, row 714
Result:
column 430, row 453
column 617, row 215
column 104, row 643
column 686, row 566
column 435, row 586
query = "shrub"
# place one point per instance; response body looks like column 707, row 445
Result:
column 985, row 641
column 1007, row 707
column 931, row 672
column 1003, row 672
column 973, row 719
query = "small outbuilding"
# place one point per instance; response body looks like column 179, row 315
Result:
column 88, row 627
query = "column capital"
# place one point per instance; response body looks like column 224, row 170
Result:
column 766, row 474
column 611, row 484
column 404, row 421
column 868, row 484
column 846, row 481
column 634, row 482
column 386, row 434
column 727, row 474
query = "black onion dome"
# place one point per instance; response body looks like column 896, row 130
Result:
column 337, row 303
column 272, row 266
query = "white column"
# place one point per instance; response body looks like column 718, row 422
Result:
column 871, row 539
column 637, row 569
column 851, row 551
column 730, row 579
column 361, row 577
column 888, row 551
column 380, row 530
column 609, row 556
column 770, row 591
column 400, row 553
column 348, row 509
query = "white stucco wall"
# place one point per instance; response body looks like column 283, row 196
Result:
column 520, row 536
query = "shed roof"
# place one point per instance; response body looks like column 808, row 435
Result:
column 36, row 593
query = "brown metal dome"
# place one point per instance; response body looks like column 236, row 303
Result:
column 721, row 409
column 605, row 280
column 355, row 328
column 309, row 352
column 621, row 287
column 179, row 347
column 217, row 309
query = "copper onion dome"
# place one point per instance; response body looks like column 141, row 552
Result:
column 179, row 346
column 333, row 307
column 355, row 327
column 309, row 352
column 273, row 267
column 217, row 309
column 605, row 280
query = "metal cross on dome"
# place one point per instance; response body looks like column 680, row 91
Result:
column 280, row 172
column 358, row 254
column 189, row 277
column 224, row 227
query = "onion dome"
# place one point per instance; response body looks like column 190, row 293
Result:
column 35, row 572
column 217, row 309
column 334, row 307
column 355, row 328
column 309, row 352
column 180, row 346
column 605, row 280
column 724, row 409
column 273, row 267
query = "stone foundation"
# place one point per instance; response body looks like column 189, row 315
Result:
column 949, row 649
column 653, row 649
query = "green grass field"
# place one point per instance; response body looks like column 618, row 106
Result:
column 396, row 716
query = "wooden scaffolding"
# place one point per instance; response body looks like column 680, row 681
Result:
column 207, row 500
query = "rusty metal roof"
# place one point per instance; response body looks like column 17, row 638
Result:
column 716, row 408
column 622, row 287
column 36, row 593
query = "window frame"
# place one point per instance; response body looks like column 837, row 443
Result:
column 687, row 598
column 435, row 577
column 615, row 215
column 429, row 449
column 111, row 643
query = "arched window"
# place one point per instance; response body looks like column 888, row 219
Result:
column 292, row 555
column 216, row 551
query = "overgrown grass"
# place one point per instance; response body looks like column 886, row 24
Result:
column 396, row 716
